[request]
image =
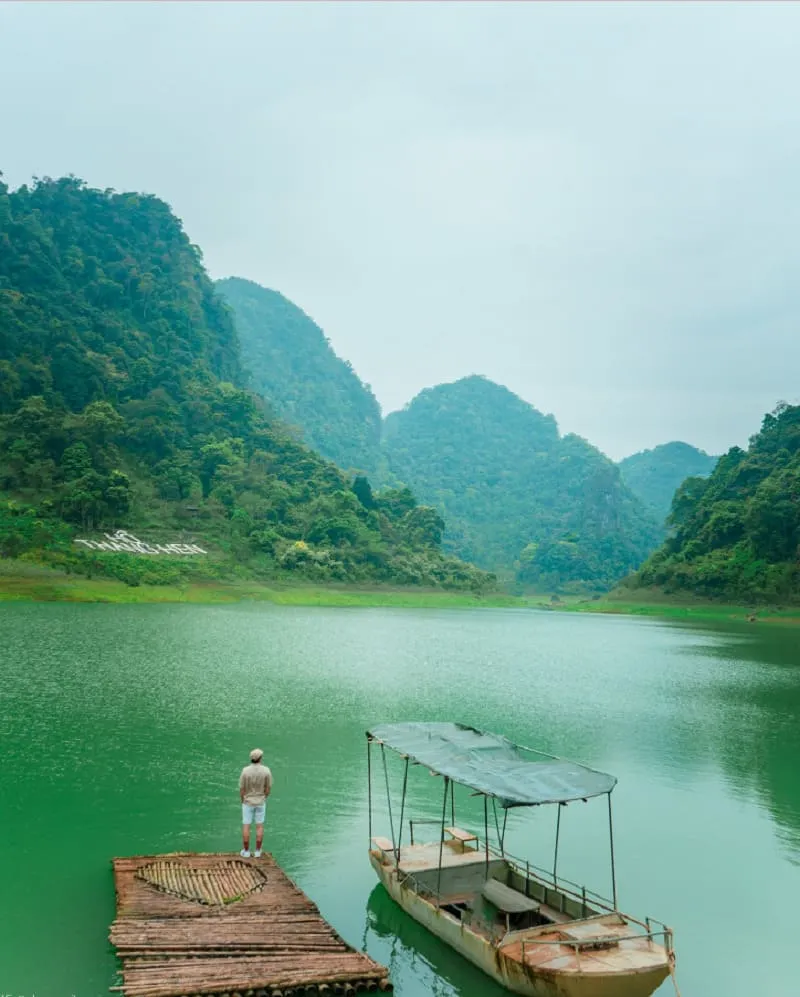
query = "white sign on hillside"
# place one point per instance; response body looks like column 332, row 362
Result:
column 123, row 541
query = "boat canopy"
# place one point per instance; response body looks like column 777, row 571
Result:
column 491, row 764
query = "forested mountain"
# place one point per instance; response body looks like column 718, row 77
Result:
column 122, row 405
column 548, row 509
column 654, row 475
column 737, row 532
column 515, row 494
column 294, row 367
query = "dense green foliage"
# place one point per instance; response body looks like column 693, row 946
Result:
column 515, row 494
column 654, row 475
column 737, row 533
column 548, row 510
column 294, row 367
column 122, row 404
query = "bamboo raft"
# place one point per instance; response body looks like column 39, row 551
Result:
column 190, row 925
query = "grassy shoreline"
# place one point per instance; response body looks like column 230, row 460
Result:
column 30, row 583
column 685, row 609
column 35, row 584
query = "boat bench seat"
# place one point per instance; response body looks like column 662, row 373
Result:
column 506, row 899
column 463, row 836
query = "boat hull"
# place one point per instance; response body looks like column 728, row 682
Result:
column 530, row 981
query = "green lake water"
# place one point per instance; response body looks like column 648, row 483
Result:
column 123, row 730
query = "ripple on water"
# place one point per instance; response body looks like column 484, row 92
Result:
column 124, row 727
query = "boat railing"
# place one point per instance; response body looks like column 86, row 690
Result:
column 497, row 935
column 592, row 943
column 523, row 867
column 421, row 820
column 559, row 883
column 652, row 927
column 421, row 889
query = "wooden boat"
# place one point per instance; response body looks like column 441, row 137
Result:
column 529, row 929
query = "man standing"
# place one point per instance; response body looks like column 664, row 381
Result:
column 255, row 785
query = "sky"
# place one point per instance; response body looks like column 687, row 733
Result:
column 596, row 205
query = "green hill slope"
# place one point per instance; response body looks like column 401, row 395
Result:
column 516, row 495
column 294, row 367
column 654, row 475
column 121, row 405
column 737, row 532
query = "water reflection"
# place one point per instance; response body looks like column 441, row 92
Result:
column 410, row 951
column 754, row 700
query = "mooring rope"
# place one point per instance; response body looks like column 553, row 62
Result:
column 672, row 975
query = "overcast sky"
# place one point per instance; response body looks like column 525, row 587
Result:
column 595, row 205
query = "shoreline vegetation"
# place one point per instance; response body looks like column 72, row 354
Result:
column 128, row 426
column 25, row 582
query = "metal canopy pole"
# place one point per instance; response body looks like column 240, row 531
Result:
column 486, row 830
column 453, row 804
column 402, row 810
column 496, row 821
column 441, row 840
column 369, row 785
column 555, row 855
column 611, row 842
column 503, row 835
column 388, row 798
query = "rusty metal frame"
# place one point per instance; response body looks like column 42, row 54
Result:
column 497, row 822
column 388, row 799
column 449, row 787
column 611, row 843
column 402, row 811
column 555, row 852
column 369, row 787
column 486, row 829
column 651, row 935
column 421, row 820
column 441, row 839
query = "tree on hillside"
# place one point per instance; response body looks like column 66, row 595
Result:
column 123, row 403
column 654, row 475
column 736, row 534
column 293, row 365
column 516, row 496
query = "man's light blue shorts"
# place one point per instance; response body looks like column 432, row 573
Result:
column 253, row 814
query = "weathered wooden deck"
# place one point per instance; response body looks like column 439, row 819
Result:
column 190, row 924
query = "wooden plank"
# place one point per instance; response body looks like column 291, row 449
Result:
column 215, row 923
column 460, row 835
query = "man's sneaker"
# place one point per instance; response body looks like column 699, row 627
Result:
column 244, row 854
column 257, row 853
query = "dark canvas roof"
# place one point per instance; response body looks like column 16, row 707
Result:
column 491, row 764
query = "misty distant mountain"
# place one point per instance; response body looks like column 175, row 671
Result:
column 550, row 510
column 517, row 497
column 654, row 475
column 294, row 367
